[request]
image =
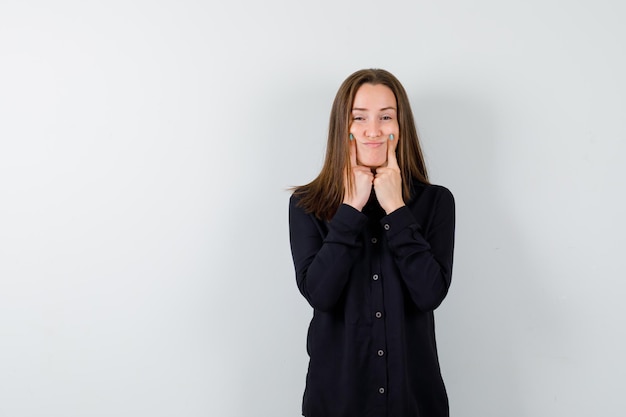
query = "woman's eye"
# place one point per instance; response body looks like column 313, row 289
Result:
column 358, row 118
column 386, row 117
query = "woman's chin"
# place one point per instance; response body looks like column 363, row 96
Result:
column 372, row 162
column 372, row 159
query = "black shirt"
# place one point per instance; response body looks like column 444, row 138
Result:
column 373, row 281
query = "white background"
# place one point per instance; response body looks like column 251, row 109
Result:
column 147, row 148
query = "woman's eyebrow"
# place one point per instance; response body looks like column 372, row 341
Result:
column 362, row 109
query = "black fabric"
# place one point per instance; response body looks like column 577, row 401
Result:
column 373, row 281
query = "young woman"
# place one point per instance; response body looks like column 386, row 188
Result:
column 372, row 243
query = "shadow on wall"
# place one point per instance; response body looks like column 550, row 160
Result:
column 497, row 312
column 267, row 317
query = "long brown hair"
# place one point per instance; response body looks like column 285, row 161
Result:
column 324, row 194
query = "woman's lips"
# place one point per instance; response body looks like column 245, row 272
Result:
column 373, row 144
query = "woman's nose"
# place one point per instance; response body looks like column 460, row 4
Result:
column 373, row 130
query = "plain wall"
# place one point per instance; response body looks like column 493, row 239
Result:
column 146, row 149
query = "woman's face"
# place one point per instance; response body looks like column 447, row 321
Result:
column 374, row 118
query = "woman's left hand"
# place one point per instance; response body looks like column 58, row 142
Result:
column 388, row 181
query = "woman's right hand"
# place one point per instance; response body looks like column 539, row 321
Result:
column 362, row 182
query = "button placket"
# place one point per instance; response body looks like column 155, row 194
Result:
column 379, row 337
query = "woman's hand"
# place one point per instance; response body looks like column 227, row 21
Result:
column 362, row 180
column 388, row 181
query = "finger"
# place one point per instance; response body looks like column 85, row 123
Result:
column 392, row 144
column 361, row 170
column 353, row 152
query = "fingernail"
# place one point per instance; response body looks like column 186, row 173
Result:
column 351, row 136
column 391, row 137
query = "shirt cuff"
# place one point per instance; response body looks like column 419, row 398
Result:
column 398, row 220
column 347, row 218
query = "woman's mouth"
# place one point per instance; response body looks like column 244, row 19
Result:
column 373, row 144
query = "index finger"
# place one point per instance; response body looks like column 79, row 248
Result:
column 352, row 144
column 392, row 144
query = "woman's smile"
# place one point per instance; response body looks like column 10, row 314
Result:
column 373, row 144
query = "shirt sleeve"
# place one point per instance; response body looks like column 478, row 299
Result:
column 323, row 263
column 424, row 260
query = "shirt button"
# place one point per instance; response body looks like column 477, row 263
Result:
column 381, row 390
column 386, row 226
column 375, row 277
column 381, row 352
column 379, row 314
column 374, row 240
